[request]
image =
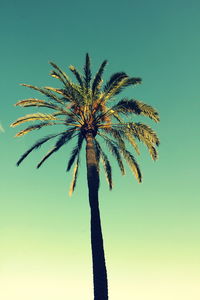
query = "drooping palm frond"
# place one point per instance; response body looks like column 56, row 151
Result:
column 126, row 155
column 66, row 137
column 120, row 134
column 75, row 176
column 37, row 145
column 75, row 151
column 145, row 134
column 126, row 106
column 130, row 138
column 87, row 72
column 132, row 163
column 116, row 134
column 114, row 149
column 146, row 131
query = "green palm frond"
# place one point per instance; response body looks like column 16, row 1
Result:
column 146, row 135
column 75, row 151
column 75, row 176
column 117, row 82
column 57, row 75
column 34, row 117
column 132, row 163
column 106, row 164
column 37, row 145
column 121, row 134
column 36, row 102
column 77, row 75
column 116, row 116
column 116, row 134
column 61, row 74
column 152, row 150
column 114, row 149
column 128, row 136
column 143, row 130
column 98, row 78
column 34, row 127
column 87, row 72
column 65, row 138
column 126, row 106
column 114, row 80
column 45, row 92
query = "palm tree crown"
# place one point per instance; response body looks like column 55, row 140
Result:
column 89, row 107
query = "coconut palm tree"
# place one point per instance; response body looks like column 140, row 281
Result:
column 90, row 113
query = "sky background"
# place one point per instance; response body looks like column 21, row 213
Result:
column 151, row 230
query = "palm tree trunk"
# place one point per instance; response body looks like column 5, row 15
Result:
column 98, row 257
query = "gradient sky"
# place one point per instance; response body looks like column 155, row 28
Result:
column 151, row 230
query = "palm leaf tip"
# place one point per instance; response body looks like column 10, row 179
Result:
column 76, row 74
column 74, row 179
column 98, row 78
column 54, row 74
column 87, row 71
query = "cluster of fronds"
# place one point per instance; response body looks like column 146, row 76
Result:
column 88, row 106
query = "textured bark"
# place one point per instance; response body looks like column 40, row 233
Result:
column 98, row 257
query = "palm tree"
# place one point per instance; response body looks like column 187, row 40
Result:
column 90, row 113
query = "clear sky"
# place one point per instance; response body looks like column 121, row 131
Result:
column 151, row 230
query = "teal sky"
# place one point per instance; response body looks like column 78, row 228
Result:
column 151, row 230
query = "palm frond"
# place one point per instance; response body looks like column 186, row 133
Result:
column 114, row 80
column 117, row 117
column 34, row 127
column 132, row 163
column 61, row 73
column 152, row 150
column 142, row 130
column 132, row 141
column 70, row 94
column 106, row 164
column 116, row 134
column 75, row 151
column 114, row 149
column 126, row 106
column 87, row 72
column 145, row 134
column 77, row 75
column 66, row 137
column 37, row 145
column 118, row 85
column 120, row 134
column 98, row 77
column 75, row 176
column 57, row 75
column 45, row 92
column 59, row 91
column 34, row 117
column 36, row 102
